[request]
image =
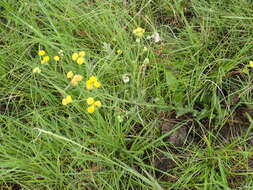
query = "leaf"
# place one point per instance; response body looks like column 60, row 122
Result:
column 171, row 80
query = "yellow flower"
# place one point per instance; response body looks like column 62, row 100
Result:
column 36, row 70
column 56, row 58
column 251, row 64
column 119, row 51
column 89, row 85
column 93, row 79
column 92, row 82
column 89, row 82
column 92, row 104
column 139, row 32
column 91, row 109
column 69, row 99
column 76, row 79
column 79, row 57
column 41, row 53
column 46, row 58
column 75, row 56
column 97, row 103
column 80, row 60
column 90, row 101
column 74, row 82
column 82, row 53
column 66, row 100
column 97, row 84
column 70, row 75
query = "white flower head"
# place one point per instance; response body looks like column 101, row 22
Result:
column 120, row 118
column 156, row 99
column 107, row 48
column 60, row 52
column 125, row 78
column 155, row 36
column 146, row 60
column 36, row 70
column 138, row 40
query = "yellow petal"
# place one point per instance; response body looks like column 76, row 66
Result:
column 119, row 51
column 70, row 75
column 90, row 100
column 80, row 60
column 89, row 82
column 64, row 102
column 74, row 56
column 78, row 77
column 82, row 53
column 251, row 64
column 56, row 58
column 74, row 82
column 93, row 79
column 41, row 53
column 89, row 86
column 91, row 109
column 68, row 99
column 97, row 103
column 46, row 58
column 97, row 84
column 139, row 32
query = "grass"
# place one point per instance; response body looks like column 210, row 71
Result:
column 197, row 79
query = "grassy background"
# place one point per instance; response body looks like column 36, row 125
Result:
column 197, row 78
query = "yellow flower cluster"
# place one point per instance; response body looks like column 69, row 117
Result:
column 66, row 100
column 79, row 57
column 92, row 104
column 92, row 83
column 139, row 32
column 75, row 79
column 45, row 58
